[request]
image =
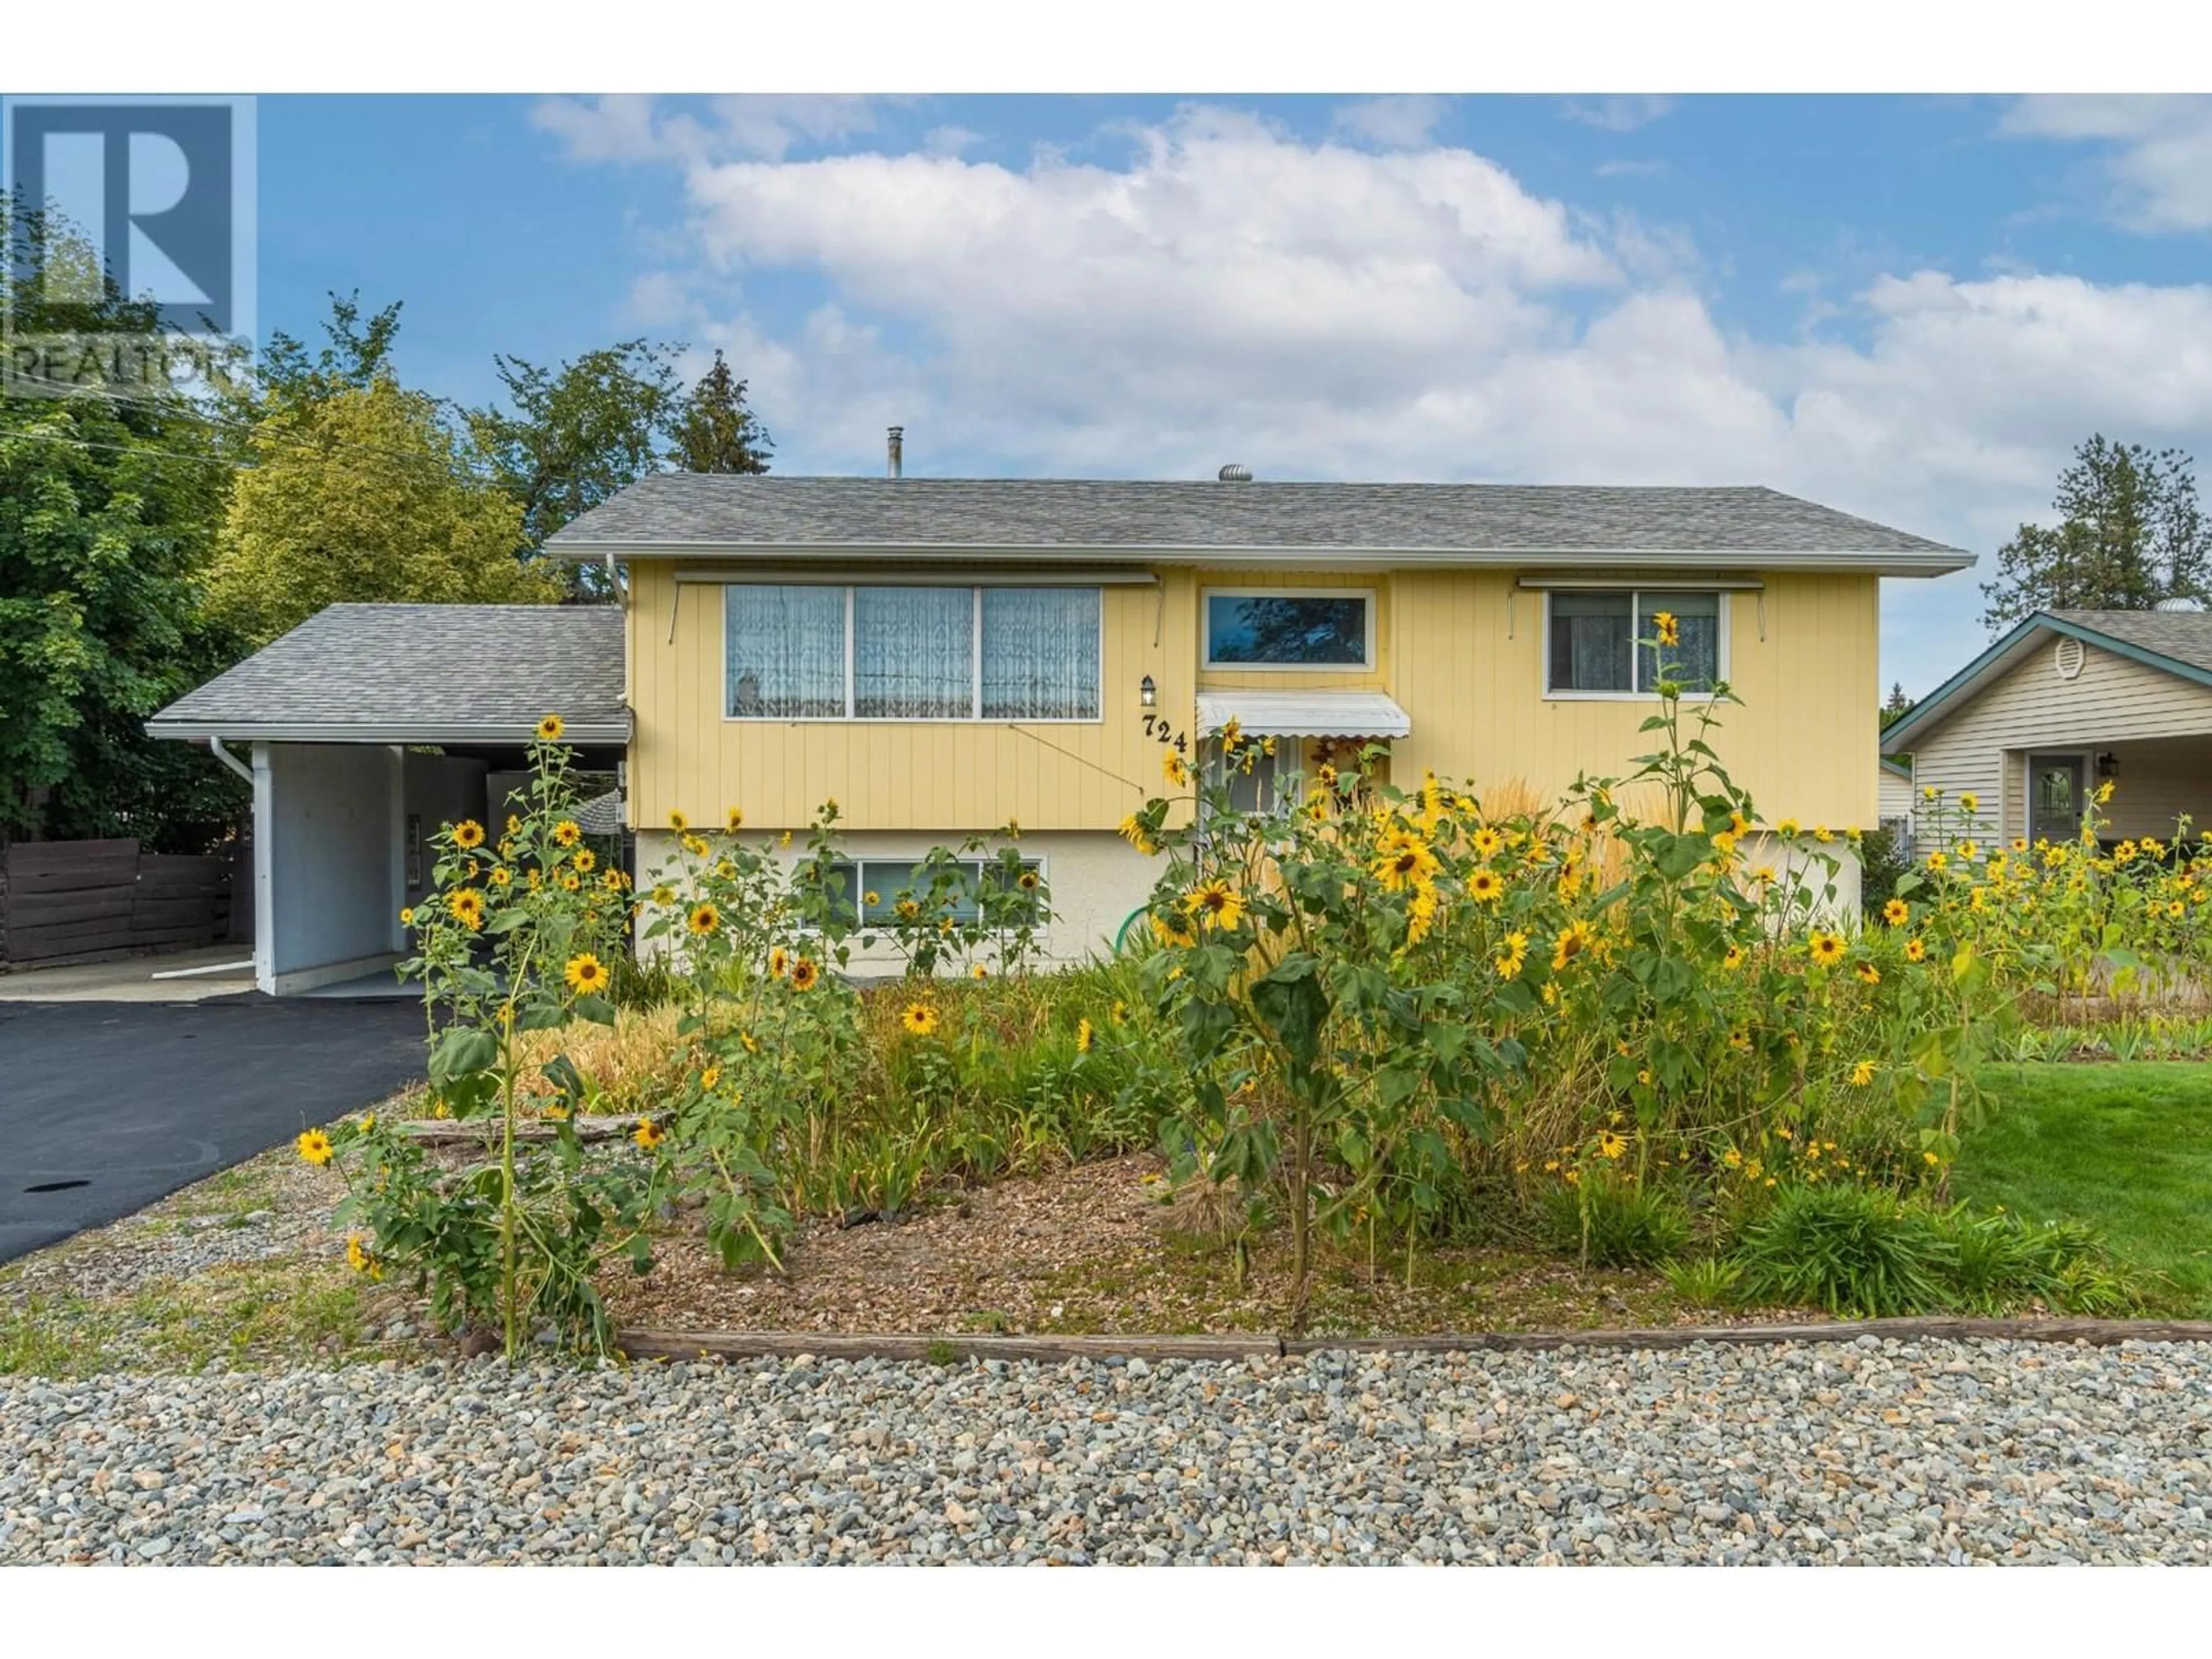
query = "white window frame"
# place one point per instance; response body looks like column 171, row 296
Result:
column 1723, row 621
column 974, row 717
column 1207, row 595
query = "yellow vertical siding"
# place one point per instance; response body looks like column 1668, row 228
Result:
column 1461, row 650
column 1470, row 671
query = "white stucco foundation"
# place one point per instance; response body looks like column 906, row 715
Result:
column 1096, row 879
column 1799, row 862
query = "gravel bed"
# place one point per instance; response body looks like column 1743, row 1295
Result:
column 1872, row 1451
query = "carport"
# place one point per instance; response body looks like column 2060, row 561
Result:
column 367, row 728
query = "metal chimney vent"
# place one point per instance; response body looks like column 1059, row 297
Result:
column 895, row 442
column 2180, row 602
column 1235, row 472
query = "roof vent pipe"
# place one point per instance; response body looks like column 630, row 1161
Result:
column 2180, row 602
column 897, row 444
column 1235, row 472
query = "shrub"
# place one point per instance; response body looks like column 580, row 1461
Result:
column 1708, row 1281
column 2004, row 1260
column 1611, row 1222
column 1850, row 1250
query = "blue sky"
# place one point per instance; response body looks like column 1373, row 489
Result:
column 1907, row 307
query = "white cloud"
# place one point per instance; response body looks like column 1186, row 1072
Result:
column 1623, row 114
column 1231, row 292
column 1396, row 123
column 2160, row 173
column 630, row 127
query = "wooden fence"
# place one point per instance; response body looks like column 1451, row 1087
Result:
column 77, row 901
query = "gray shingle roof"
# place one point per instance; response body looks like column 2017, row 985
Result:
column 677, row 511
column 420, row 673
column 2184, row 636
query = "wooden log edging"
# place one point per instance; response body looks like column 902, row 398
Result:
column 478, row 1131
column 655, row 1343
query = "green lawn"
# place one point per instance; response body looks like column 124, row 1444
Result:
column 2127, row 1148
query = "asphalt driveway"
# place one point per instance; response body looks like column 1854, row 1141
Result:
column 106, row 1106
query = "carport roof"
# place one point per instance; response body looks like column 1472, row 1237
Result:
column 420, row 673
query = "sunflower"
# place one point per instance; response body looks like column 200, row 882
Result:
column 1485, row 886
column 1421, row 916
column 614, row 881
column 695, row 846
column 1405, row 861
column 1896, row 913
column 704, row 919
column 1216, row 905
column 1868, row 973
column 514, row 824
column 1133, row 831
column 1667, row 629
column 570, row 881
column 1174, row 770
column 1862, row 1074
column 501, row 875
column 1734, row 958
column 1915, row 950
column 1486, row 842
column 314, row 1145
column 468, row 908
column 919, row 1018
column 979, row 972
column 804, row 975
column 1084, row 1036
column 734, row 820
column 358, row 1256
column 907, row 909
column 407, row 916
column 710, row 1078
column 1939, row 861
column 586, row 973
column 1969, row 801
column 779, row 962
column 468, row 833
column 1516, row 952
column 1826, row 948
column 679, row 822
column 1787, row 828
column 566, row 832
column 1170, row 930
column 1572, row 943
column 1027, row 881
column 549, row 729
column 647, row 1133
column 1611, row 1143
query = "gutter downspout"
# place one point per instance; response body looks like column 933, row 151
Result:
column 214, row 746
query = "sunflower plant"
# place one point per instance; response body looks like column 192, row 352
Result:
column 516, row 936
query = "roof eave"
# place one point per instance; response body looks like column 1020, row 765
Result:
column 1934, row 562
column 577, row 734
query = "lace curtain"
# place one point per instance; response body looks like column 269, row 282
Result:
column 1590, row 642
column 787, row 652
column 1695, row 663
column 1040, row 653
column 913, row 653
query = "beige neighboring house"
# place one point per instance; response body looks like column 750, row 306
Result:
column 2066, row 701
column 1895, row 787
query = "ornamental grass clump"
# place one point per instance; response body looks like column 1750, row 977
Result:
column 515, row 939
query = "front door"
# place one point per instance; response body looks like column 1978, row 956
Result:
column 2055, row 798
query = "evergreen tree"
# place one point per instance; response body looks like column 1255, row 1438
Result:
column 1898, row 705
column 2130, row 534
column 718, row 433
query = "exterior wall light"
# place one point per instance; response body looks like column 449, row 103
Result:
column 1148, row 695
column 2108, row 765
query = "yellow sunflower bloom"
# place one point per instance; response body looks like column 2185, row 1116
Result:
column 1825, row 948
column 467, row 906
column 1665, row 628
column 549, row 729
column 314, row 1146
column 979, row 972
column 1862, row 1074
column 647, row 1133
column 1509, row 959
column 1084, row 1036
column 1485, row 887
column 704, row 919
column 567, row 833
column 919, row 1018
column 1969, row 801
column 735, row 819
column 468, row 833
column 1868, row 973
column 1611, row 1143
column 1896, row 912
column 804, row 975
column 1216, row 905
column 779, row 962
column 679, row 822
column 586, row 973
column 585, row 861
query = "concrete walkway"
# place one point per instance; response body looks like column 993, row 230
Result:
column 184, row 977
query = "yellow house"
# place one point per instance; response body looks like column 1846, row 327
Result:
column 944, row 657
